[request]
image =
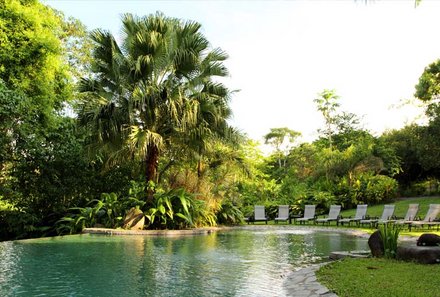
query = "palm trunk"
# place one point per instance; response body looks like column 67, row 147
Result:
column 152, row 163
column 199, row 168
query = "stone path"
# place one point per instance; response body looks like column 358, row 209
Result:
column 303, row 283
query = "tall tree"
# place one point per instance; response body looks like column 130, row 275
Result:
column 282, row 139
column 153, row 89
column 32, row 55
column 327, row 104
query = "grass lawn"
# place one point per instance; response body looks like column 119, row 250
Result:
column 374, row 277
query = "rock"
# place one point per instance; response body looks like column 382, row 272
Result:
column 428, row 239
column 420, row 254
column 376, row 245
column 134, row 219
column 353, row 254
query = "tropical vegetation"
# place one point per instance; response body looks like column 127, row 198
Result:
column 92, row 126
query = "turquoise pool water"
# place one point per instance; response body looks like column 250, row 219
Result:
column 245, row 262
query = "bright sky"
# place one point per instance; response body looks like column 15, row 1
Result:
column 283, row 53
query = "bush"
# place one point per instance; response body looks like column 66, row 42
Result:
column 16, row 224
column 428, row 187
column 365, row 188
column 380, row 188
column 390, row 236
column 108, row 211
column 229, row 214
column 178, row 209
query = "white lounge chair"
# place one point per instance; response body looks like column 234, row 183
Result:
column 283, row 213
column 259, row 213
column 361, row 211
column 431, row 215
column 388, row 212
column 309, row 214
column 410, row 215
column 333, row 215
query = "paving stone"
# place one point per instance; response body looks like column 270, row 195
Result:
column 322, row 291
column 303, row 283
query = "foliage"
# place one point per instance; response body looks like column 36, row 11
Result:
column 345, row 175
column 380, row 277
column 282, row 139
column 427, row 187
column 418, row 148
column 380, row 188
column 108, row 211
column 229, row 214
column 14, row 115
column 77, row 220
column 390, row 237
column 42, row 166
column 177, row 209
column 16, row 224
column 151, row 108
column 428, row 87
column 327, row 104
column 32, row 55
column 153, row 90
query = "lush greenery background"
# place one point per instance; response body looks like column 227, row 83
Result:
column 91, row 128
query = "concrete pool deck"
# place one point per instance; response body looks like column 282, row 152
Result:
column 209, row 230
column 197, row 231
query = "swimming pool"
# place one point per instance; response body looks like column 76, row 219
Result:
column 250, row 261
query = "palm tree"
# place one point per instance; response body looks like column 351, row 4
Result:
column 153, row 89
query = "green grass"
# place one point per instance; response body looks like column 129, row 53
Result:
column 374, row 277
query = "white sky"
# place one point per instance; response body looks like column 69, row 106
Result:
column 283, row 53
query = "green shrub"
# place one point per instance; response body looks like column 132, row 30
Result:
column 178, row 209
column 323, row 200
column 17, row 224
column 428, row 187
column 390, row 236
column 229, row 214
column 380, row 188
column 365, row 188
column 108, row 211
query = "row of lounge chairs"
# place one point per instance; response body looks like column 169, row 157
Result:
column 360, row 218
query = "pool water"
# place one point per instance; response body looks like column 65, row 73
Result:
column 251, row 261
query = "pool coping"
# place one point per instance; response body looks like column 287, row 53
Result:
column 209, row 230
column 185, row 232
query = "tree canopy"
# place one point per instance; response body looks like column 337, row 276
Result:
column 155, row 89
